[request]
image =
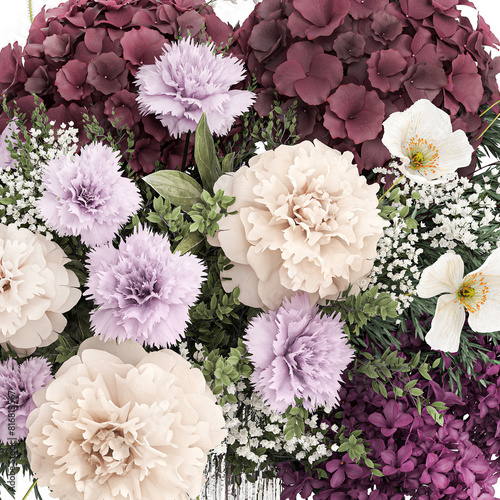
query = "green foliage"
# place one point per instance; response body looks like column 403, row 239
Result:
column 357, row 310
column 296, row 417
column 391, row 371
column 357, row 448
column 205, row 155
column 221, row 371
column 209, row 212
column 178, row 188
column 389, row 212
column 276, row 129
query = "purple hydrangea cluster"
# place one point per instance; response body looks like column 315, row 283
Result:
column 297, row 353
column 419, row 458
column 142, row 290
column 351, row 63
column 85, row 54
column 87, row 196
column 18, row 383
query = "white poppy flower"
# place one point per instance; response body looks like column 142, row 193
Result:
column 478, row 293
column 423, row 140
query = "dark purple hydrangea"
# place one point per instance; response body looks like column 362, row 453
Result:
column 85, row 55
column 419, row 458
column 377, row 57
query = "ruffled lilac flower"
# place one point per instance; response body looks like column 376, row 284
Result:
column 143, row 291
column 6, row 162
column 87, row 196
column 18, row 383
column 296, row 352
column 189, row 79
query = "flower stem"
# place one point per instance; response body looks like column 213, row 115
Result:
column 186, row 147
column 29, row 491
column 30, row 10
column 486, row 110
column 390, row 189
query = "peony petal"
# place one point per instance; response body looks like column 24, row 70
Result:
column 444, row 276
column 447, row 324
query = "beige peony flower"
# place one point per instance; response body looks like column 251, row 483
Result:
column 306, row 220
column 119, row 423
column 35, row 289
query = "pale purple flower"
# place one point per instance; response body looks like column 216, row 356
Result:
column 143, row 291
column 87, row 196
column 189, row 79
column 18, row 383
column 296, row 352
column 6, row 162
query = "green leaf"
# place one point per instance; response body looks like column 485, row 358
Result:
column 227, row 163
column 177, row 187
column 189, row 243
column 205, row 155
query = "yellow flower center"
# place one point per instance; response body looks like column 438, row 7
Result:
column 472, row 292
column 423, row 155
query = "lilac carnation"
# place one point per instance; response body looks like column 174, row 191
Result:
column 6, row 162
column 18, row 383
column 296, row 352
column 142, row 289
column 87, row 196
column 189, row 79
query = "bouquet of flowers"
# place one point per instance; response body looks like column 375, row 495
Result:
column 251, row 263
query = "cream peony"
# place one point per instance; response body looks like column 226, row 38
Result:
column 119, row 423
column 306, row 220
column 35, row 289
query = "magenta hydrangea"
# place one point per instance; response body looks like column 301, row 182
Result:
column 190, row 79
column 87, row 196
column 142, row 290
column 418, row 457
column 349, row 64
column 18, row 383
column 297, row 353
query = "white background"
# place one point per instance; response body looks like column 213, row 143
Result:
column 14, row 26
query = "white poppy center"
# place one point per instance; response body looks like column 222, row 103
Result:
column 422, row 154
column 472, row 292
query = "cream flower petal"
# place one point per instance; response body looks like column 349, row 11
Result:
column 308, row 205
column 447, row 324
column 117, row 422
column 423, row 140
column 487, row 318
column 444, row 276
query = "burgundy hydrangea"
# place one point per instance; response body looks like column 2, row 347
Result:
column 419, row 458
column 83, row 55
column 351, row 63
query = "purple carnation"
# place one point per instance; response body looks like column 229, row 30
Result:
column 296, row 352
column 18, row 383
column 189, row 79
column 87, row 196
column 6, row 162
column 142, row 289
